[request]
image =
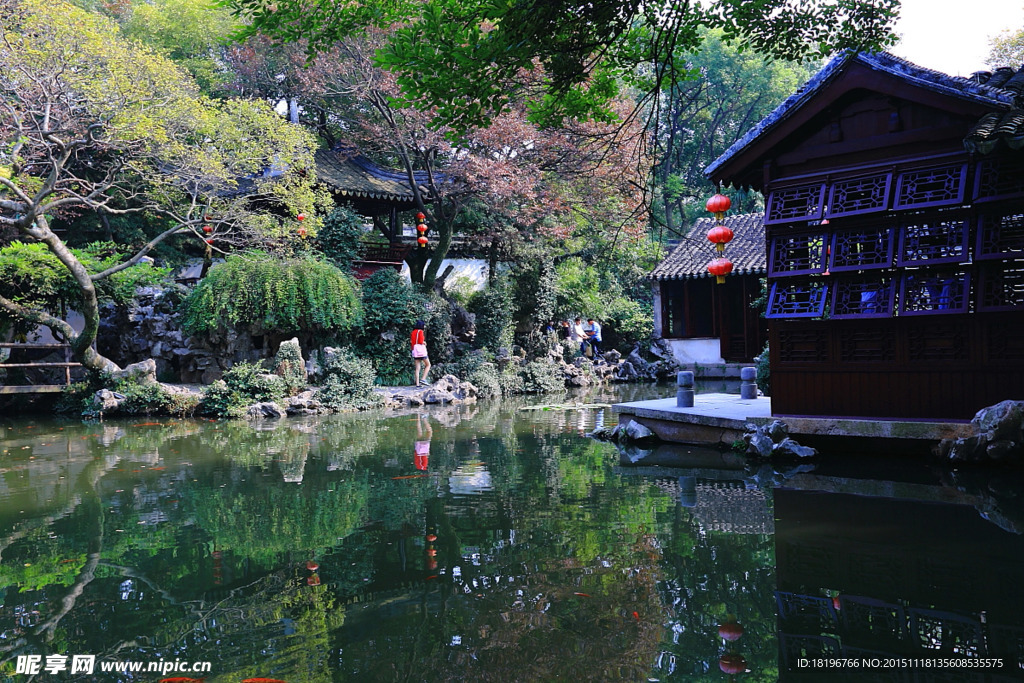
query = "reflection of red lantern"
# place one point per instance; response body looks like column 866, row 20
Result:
column 431, row 563
column 301, row 217
column 302, row 231
column 718, row 205
column 431, row 538
column 422, row 240
column 732, row 664
column 730, row 631
column 720, row 267
column 432, row 552
column 207, row 229
column 313, row 580
column 312, row 565
column 721, row 236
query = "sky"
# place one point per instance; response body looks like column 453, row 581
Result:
column 953, row 36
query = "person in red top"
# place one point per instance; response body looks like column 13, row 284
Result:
column 419, row 354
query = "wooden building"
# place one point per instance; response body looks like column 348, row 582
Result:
column 895, row 238
column 378, row 193
column 704, row 322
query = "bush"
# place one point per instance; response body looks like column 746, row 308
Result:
column 348, row 382
column 487, row 381
column 542, row 377
column 764, row 372
column 262, row 293
column 390, row 309
column 340, row 237
column 493, row 310
column 626, row 323
column 242, row 385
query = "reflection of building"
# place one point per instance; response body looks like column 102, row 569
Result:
column 719, row 505
column 704, row 322
column 875, row 577
column 895, row 233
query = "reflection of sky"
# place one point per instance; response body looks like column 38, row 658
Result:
column 471, row 478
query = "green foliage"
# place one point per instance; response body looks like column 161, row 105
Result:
column 627, row 323
column 534, row 292
column 263, row 293
column 578, row 289
column 541, row 377
column 339, row 239
column 764, row 372
column 348, row 382
column 493, row 308
column 487, row 380
column 242, row 385
column 391, row 306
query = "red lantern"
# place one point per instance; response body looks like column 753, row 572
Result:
column 313, row 580
column 422, row 240
column 209, row 241
column 431, row 538
column 420, row 217
column 721, row 236
column 301, row 217
column 302, row 232
column 718, row 205
column 312, row 565
column 421, row 227
column 730, row 631
column 720, row 267
column 732, row 664
column 207, row 229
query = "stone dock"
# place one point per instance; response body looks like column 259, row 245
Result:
column 720, row 419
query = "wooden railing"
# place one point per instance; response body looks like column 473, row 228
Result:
column 67, row 364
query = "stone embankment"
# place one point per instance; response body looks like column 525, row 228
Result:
column 998, row 437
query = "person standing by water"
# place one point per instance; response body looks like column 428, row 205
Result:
column 420, row 359
column 579, row 336
column 593, row 332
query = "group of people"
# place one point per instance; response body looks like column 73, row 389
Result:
column 587, row 336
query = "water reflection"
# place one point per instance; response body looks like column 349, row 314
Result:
column 485, row 542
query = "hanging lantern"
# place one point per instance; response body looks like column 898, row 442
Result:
column 209, row 241
column 720, row 267
column 301, row 217
column 302, row 231
column 732, row 664
column 422, row 228
column 420, row 217
column 207, row 229
column 312, row 565
column 422, row 240
column 721, row 236
column 730, row 631
column 718, row 205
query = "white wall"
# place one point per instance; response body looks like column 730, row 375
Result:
column 702, row 350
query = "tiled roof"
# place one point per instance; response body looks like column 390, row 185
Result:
column 999, row 127
column 353, row 175
column 994, row 92
column 746, row 250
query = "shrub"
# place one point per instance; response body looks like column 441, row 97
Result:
column 487, row 380
column 493, row 310
column 627, row 322
column 242, row 385
column 542, row 377
column 348, row 382
column 764, row 372
column 262, row 293
column 340, row 237
column 390, row 309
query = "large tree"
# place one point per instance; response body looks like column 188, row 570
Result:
column 465, row 57
column 518, row 179
column 91, row 122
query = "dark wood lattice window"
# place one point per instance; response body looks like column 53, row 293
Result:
column 998, row 179
column 862, row 249
column 803, row 346
column 936, row 186
column 863, row 346
column 800, row 203
column 1002, row 287
column 859, row 195
column 931, row 292
column 1000, row 235
column 797, row 254
column 930, row 241
column 938, row 343
column 863, row 297
column 797, row 299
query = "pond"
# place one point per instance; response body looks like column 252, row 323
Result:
column 493, row 542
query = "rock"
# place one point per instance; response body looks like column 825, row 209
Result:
column 612, row 356
column 436, row 395
column 289, row 361
column 634, row 431
column 107, row 401
column 777, row 430
column 790, row 448
column 759, row 445
column 304, row 403
column 143, row 372
column 1001, row 449
column 604, row 433
column 630, row 454
column 967, row 449
column 267, row 409
column 1001, row 421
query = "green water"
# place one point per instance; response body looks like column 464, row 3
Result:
column 469, row 543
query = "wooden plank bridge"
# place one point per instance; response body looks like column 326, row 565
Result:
column 67, row 364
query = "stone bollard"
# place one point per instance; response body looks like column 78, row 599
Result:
column 684, row 390
column 748, row 383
